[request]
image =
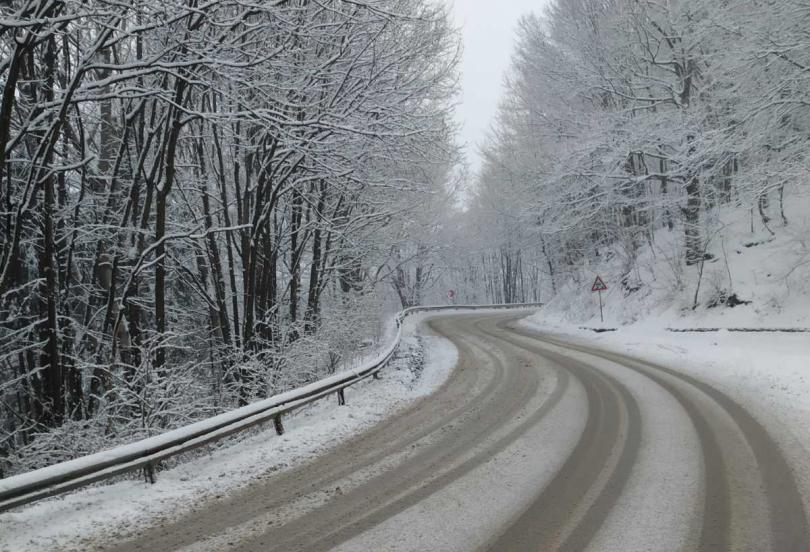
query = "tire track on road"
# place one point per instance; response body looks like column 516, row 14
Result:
column 546, row 524
column 786, row 512
column 473, row 416
column 389, row 498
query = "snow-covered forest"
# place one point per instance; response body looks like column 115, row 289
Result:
column 201, row 201
column 662, row 144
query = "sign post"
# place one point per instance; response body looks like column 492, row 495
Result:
column 599, row 285
column 451, row 294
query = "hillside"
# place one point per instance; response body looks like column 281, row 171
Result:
column 751, row 278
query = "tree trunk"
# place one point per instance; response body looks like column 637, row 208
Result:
column 49, row 288
column 160, row 223
column 313, row 305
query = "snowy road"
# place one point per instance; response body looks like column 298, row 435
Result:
column 532, row 444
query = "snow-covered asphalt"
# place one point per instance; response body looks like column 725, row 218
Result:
column 532, row 444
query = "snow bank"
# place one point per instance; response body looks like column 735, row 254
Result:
column 440, row 358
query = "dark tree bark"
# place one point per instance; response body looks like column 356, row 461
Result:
column 160, row 220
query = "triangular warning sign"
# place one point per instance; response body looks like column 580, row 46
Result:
column 598, row 285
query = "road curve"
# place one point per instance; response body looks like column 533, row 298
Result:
column 532, row 444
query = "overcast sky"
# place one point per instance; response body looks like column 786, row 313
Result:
column 489, row 33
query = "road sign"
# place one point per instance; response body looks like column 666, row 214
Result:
column 599, row 285
column 451, row 294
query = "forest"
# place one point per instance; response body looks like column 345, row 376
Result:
column 670, row 132
column 200, row 201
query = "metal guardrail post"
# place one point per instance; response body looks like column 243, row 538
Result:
column 149, row 473
column 278, row 425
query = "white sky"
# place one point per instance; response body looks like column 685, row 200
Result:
column 489, row 33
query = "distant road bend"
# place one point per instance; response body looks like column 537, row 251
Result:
column 533, row 444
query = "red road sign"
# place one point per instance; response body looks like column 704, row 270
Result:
column 451, row 294
column 598, row 285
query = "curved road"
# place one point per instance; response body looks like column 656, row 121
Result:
column 531, row 445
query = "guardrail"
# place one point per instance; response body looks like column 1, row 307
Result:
column 29, row 487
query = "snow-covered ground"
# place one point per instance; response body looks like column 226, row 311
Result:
column 654, row 287
column 769, row 373
column 102, row 512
